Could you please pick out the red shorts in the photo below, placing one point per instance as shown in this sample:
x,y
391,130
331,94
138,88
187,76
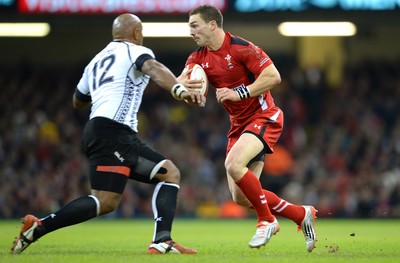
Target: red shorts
x,y
266,127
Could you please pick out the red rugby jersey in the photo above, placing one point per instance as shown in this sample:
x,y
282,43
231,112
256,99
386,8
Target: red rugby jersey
x,y
237,61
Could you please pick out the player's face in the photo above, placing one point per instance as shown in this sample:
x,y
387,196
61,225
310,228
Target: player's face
x,y
200,30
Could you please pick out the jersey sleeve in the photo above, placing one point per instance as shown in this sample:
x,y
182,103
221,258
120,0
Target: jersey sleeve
x,y
141,59
83,84
82,97
193,58
142,55
255,59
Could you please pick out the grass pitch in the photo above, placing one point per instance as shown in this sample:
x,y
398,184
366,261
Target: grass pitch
x,y
105,240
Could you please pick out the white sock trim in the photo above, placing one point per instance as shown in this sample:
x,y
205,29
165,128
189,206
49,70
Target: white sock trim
x,y
156,168
97,204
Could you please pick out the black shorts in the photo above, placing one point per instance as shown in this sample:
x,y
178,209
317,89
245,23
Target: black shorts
x,y
116,155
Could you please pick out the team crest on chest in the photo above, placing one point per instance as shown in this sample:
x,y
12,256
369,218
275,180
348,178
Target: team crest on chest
x,y
228,60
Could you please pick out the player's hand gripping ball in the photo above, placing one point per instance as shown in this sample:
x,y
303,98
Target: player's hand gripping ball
x,y
199,74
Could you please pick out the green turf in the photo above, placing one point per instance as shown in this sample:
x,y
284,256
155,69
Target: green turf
x,y
216,240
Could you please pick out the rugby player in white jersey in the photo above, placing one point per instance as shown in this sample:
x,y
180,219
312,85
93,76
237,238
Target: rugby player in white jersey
x,y
113,84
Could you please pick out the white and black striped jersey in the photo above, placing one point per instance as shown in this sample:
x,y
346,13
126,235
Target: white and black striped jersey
x,y
114,83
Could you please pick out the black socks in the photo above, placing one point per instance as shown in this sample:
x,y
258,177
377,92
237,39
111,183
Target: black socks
x,y
77,211
164,205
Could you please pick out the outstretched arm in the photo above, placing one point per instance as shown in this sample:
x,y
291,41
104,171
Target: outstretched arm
x,y
164,78
159,73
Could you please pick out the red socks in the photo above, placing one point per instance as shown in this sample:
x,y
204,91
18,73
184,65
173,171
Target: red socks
x,y
275,206
251,188
280,207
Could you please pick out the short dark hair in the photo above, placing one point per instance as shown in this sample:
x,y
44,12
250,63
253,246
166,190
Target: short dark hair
x,y
208,13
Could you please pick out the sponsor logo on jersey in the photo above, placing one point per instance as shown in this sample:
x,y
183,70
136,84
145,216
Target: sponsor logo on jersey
x,y
205,65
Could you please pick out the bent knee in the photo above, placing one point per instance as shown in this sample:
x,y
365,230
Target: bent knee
x,y
171,173
234,169
108,202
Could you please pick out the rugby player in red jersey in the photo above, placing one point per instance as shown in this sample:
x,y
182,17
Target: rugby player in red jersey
x,y
256,122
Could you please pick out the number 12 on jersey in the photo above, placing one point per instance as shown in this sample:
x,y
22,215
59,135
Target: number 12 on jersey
x,y
100,71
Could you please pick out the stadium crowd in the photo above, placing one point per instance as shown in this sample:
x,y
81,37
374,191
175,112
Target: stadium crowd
x,y
340,150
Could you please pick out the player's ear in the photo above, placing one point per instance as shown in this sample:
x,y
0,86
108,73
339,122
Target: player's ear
x,y
138,36
213,25
136,33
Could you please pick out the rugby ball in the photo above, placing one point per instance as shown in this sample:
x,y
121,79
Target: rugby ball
x,y
198,73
